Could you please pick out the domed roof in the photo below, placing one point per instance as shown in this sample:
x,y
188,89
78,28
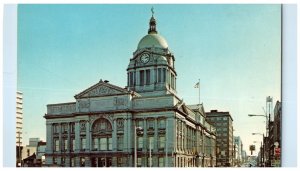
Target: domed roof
x,y
153,40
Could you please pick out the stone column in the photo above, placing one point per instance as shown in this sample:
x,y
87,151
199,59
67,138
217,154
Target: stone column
x,y
49,138
114,135
88,136
60,139
155,138
77,137
145,141
69,139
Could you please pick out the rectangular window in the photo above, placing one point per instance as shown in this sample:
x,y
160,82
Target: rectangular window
x,y
148,76
150,162
120,142
54,160
103,144
151,143
150,124
72,125
95,144
55,128
72,163
56,145
109,143
65,144
162,124
64,128
119,161
161,162
139,162
83,143
225,118
162,142
131,78
159,75
140,142
142,77
164,74
63,160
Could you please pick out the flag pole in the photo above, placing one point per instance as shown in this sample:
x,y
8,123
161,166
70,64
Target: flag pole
x,y
199,91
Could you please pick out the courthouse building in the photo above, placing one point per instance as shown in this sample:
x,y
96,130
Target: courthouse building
x,y
143,124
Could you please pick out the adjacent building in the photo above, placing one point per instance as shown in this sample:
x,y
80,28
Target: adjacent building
x,y
143,124
222,121
19,126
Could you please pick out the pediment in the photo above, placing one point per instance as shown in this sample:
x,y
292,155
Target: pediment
x,y
102,89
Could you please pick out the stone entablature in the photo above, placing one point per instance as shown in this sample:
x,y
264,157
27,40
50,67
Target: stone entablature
x,y
61,108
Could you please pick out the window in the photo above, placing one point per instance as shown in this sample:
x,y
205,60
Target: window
x,y
109,143
120,142
151,143
63,160
148,76
56,145
139,162
140,142
151,124
72,163
73,144
159,75
95,144
55,128
161,142
161,162
83,143
141,77
225,118
72,125
162,124
103,143
65,145
131,78
54,160
64,128
164,74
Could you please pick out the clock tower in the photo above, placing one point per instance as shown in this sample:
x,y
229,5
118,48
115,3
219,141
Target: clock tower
x,y
151,69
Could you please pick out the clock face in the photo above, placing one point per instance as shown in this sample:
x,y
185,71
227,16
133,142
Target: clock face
x,y
145,57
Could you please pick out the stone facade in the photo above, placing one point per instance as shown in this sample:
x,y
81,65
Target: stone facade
x,y
144,124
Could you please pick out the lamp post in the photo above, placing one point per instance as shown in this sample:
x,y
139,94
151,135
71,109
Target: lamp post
x,y
262,147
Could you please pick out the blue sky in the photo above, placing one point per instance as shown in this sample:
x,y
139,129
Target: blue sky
x,y
234,50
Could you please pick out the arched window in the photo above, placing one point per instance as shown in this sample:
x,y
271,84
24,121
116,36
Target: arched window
x,y
102,135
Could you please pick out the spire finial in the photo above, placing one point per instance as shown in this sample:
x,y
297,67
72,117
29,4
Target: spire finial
x,y
152,10
152,24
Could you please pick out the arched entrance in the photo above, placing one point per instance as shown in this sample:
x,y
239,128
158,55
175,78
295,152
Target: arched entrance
x,y
101,143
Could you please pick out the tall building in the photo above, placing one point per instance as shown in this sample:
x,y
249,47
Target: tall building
x,y
143,124
238,150
222,121
19,126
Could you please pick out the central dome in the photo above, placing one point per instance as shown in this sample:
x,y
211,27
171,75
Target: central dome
x,y
153,40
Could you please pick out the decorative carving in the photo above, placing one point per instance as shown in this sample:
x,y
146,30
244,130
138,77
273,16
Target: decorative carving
x,y
99,91
101,126
120,124
82,126
109,117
